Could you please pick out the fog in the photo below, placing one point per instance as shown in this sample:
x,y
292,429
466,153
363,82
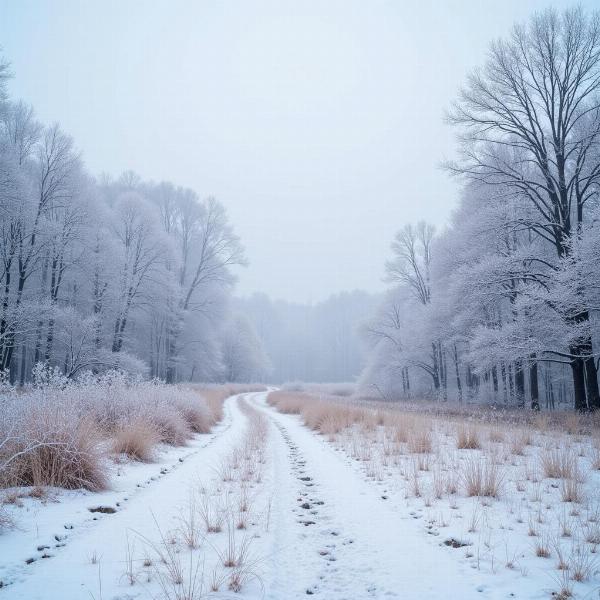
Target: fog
x,y
319,125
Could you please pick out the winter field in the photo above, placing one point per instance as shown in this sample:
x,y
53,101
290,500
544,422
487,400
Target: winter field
x,y
286,494
199,195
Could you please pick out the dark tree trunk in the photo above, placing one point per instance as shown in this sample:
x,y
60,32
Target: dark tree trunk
x,y
457,370
519,384
435,374
23,365
577,369
533,383
585,375
511,382
591,383
504,384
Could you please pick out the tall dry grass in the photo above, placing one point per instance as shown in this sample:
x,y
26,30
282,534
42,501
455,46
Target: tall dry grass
x,y
63,433
492,471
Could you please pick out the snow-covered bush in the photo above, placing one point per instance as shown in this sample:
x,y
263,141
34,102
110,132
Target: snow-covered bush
x,y
59,432
48,441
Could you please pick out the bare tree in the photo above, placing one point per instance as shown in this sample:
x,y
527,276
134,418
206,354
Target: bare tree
x,y
412,260
411,266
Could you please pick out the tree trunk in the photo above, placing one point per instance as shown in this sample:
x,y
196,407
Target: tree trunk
x,y
443,374
585,375
511,382
495,381
435,374
591,383
577,369
519,383
533,383
23,363
504,384
457,370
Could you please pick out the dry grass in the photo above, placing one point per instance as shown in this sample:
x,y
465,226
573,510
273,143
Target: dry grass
x,y
559,463
420,441
320,415
467,438
54,448
62,436
137,440
571,490
541,470
482,477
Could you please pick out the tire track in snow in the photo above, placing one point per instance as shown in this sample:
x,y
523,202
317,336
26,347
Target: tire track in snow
x,y
366,548
311,550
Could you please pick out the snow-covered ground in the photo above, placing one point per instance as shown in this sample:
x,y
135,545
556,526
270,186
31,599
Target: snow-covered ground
x,y
298,515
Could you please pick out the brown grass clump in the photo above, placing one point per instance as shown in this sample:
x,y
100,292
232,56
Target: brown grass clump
x,y
496,435
56,449
136,440
328,417
467,438
542,548
518,443
197,416
571,491
559,463
482,477
420,441
172,427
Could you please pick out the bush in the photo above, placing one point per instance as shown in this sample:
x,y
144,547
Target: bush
x,y
59,432
136,440
52,445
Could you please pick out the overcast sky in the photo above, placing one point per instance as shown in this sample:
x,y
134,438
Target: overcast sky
x,y
318,124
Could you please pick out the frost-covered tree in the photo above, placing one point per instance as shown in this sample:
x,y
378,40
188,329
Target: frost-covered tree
x,y
530,122
103,274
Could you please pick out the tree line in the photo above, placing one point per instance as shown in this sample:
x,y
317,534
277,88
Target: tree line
x,y
102,273
503,305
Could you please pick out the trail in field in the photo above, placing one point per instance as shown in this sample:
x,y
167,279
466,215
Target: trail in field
x,y
336,538
319,529
86,554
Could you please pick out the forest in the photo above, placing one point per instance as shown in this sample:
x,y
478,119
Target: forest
x,y
500,306
503,304
101,274
353,353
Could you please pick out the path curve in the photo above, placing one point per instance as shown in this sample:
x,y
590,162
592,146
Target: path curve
x,y
339,539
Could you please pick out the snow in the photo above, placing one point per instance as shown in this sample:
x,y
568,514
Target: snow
x,y
319,526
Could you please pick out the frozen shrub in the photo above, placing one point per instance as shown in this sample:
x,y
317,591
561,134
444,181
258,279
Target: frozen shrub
x,y
196,413
58,432
52,445
136,439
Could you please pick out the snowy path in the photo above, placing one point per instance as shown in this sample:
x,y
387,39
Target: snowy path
x,y
329,533
71,572
337,538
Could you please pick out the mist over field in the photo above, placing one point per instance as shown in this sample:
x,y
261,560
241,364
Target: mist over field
x,y
299,298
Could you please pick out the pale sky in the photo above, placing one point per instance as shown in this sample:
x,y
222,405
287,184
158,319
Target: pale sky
x,y
318,124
